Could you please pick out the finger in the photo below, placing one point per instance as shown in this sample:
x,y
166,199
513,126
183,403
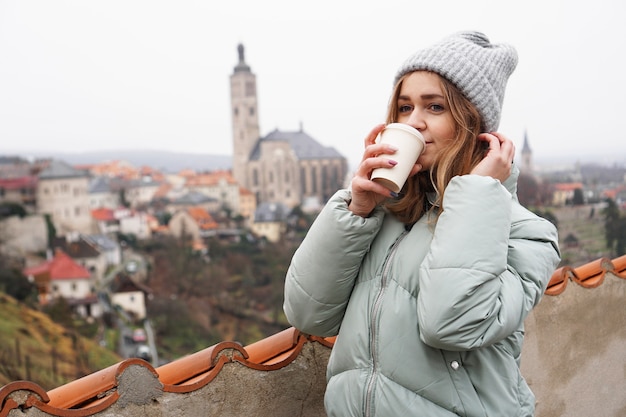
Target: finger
x,y
507,147
371,163
371,137
416,168
492,140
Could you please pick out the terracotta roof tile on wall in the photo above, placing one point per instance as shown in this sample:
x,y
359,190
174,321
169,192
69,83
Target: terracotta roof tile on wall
x,y
136,382
589,275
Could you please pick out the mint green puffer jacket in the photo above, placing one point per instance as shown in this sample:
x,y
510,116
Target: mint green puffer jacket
x,y
430,321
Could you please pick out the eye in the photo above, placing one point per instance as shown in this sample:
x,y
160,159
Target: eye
x,y
404,108
436,107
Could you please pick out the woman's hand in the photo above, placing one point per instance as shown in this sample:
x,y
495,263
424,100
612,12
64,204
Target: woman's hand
x,y
499,157
367,194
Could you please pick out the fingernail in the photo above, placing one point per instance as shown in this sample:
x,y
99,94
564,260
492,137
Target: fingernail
x,y
392,148
393,194
393,163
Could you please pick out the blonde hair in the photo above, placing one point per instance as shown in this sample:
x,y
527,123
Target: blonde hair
x,y
461,153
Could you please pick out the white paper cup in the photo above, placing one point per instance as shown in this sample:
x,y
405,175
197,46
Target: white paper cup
x,y
410,144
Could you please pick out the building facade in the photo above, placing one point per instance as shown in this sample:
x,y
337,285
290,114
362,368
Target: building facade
x,y
63,193
286,167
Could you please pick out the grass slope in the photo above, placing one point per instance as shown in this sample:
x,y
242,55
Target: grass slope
x,y
34,348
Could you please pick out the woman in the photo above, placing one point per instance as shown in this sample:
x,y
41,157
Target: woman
x,y
428,290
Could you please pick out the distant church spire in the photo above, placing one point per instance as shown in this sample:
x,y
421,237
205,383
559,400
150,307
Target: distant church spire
x,y
527,156
526,147
241,66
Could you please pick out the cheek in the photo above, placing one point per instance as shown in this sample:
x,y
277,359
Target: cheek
x,y
446,128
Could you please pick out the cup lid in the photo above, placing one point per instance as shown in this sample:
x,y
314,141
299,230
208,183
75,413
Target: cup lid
x,y
407,128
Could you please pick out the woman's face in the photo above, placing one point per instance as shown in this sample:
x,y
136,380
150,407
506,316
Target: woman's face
x,y
422,104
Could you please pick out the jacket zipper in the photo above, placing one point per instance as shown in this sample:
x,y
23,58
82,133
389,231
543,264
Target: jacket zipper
x,y
373,326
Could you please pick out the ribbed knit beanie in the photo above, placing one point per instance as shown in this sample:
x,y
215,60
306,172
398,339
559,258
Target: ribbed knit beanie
x,y
475,66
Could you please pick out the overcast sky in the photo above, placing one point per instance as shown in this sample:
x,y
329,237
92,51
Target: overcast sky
x,y
147,74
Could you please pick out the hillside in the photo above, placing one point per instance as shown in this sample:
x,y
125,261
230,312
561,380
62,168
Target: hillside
x,y
586,224
35,348
161,160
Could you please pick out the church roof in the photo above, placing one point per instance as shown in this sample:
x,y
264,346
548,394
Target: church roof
x,y
303,145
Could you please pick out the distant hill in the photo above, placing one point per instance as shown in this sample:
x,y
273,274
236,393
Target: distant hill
x,y
162,160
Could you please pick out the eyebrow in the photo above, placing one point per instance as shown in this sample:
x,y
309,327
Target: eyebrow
x,y
423,97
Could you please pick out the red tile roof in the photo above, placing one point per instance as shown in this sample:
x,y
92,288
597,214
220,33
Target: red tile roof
x,y
568,186
212,178
59,267
18,183
103,214
98,391
202,218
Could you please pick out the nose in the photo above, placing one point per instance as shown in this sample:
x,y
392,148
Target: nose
x,y
416,120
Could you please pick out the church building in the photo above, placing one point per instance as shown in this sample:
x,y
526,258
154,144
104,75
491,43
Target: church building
x,y
287,167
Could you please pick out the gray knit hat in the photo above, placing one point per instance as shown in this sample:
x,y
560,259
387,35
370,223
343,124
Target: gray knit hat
x,y
477,67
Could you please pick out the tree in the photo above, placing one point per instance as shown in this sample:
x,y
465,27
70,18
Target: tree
x,y
122,195
52,231
527,190
9,209
579,198
14,283
614,227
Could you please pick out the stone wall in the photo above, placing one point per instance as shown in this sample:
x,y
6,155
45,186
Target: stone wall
x,y
574,355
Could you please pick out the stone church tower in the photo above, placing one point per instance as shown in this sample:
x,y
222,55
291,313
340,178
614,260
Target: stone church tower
x,y
245,117
527,157
288,168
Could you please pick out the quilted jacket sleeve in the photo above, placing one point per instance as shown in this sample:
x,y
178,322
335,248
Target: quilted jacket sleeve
x,y
323,270
489,264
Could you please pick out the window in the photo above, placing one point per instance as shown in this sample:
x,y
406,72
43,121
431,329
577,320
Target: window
x,y
303,180
314,180
250,89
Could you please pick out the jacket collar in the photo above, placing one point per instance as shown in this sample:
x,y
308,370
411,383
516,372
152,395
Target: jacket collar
x,y
511,183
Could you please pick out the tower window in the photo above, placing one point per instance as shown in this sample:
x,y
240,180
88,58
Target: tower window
x,y
250,88
251,111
